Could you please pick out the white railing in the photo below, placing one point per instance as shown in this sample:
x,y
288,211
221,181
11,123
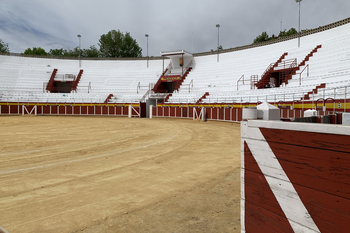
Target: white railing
x,y
139,86
306,67
65,77
324,94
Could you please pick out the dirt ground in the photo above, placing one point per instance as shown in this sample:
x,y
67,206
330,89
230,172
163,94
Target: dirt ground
x,y
114,174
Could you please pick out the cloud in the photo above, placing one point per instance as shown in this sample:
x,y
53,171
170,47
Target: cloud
x,y
22,29
171,25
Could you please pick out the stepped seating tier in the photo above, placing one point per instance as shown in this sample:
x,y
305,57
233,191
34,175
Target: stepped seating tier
x,y
23,78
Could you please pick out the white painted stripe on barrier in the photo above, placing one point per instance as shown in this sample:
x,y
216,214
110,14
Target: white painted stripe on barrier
x,y
2,230
289,200
242,186
314,128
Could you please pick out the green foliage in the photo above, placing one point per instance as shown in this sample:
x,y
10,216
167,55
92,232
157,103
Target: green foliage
x,y
35,51
4,48
261,38
220,48
116,44
112,44
290,32
57,52
264,37
91,52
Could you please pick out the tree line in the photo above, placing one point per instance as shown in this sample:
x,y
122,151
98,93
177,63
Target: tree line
x,y
265,37
117,44
113,44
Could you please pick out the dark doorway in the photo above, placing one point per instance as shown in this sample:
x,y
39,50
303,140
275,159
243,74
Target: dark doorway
x,y
166,87
62,87
143,110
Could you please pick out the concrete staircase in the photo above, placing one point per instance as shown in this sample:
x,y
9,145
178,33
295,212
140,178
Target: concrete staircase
x,y
50,84
307,58
203,97
178,84
314,91
265,77
108,98
76,81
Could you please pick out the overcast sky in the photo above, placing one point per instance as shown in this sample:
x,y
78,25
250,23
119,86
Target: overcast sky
x,y
171,25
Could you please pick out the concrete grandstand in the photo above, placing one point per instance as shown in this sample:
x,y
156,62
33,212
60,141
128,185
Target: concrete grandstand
x,y
314,75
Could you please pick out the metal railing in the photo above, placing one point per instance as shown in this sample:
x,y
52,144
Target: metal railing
x,y
337,93
287,64
65,77
307,66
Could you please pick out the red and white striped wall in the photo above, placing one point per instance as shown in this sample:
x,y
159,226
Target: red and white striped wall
x,y
295,177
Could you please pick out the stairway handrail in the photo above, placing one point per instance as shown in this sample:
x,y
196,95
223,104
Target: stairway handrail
x,y
44,87
268,69
307,66
145,95
239,80
190,85
166,69
287,64
139,87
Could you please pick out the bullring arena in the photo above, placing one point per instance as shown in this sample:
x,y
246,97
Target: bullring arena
x,y
248,139
114,174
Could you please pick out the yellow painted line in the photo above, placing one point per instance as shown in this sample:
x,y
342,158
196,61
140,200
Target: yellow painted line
x,y
296,105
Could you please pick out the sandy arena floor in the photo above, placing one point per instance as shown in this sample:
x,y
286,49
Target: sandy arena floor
x,y
113,174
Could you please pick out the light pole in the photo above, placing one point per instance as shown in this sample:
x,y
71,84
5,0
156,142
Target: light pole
x,y
281,27
218,26
147,48
79,36
299,23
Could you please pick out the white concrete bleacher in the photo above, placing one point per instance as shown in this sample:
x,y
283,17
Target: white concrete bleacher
x,y
19,75
23,78
120,78
330,65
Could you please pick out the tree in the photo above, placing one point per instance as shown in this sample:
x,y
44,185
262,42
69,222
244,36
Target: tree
x,y
4,48
91,52
35,51
65,53
57,52
116,44
261,38
220,48
290,32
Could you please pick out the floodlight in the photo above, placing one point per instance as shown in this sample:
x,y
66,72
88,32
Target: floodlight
x,y
298,1
218,26
79,36
147,49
